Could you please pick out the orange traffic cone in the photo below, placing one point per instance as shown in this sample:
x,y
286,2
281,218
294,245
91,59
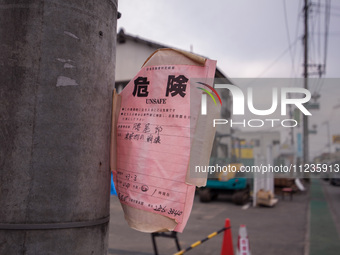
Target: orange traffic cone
x,y
227,245
243,242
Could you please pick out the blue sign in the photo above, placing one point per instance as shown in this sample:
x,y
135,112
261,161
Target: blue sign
x,y
299,145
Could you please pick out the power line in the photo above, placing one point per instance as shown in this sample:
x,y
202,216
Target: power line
x,y
326,34
305,76
287,31
327,21
333,12
319,41
322,60
296,35
329,33
278,58
319,37
334,6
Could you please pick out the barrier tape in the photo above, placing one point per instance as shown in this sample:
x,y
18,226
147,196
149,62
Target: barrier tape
x,y
202,241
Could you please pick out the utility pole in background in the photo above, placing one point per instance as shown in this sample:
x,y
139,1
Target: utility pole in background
x,y
305,76
57,68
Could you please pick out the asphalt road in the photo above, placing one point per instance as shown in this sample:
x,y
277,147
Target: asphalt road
x,y
332,194
279,230
323,236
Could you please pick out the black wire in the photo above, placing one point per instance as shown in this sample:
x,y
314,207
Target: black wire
x,y
311,47
320,84
287,31
319,37
327,21
334,7
278,58
299,16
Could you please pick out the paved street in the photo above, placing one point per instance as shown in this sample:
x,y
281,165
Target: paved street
x,y
278,230
309,224
324,218
332,194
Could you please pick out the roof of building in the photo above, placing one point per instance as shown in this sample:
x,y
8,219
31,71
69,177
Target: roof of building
x,y
122,37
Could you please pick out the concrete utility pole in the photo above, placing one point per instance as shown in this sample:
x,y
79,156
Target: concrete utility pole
x,y
57,65
305,76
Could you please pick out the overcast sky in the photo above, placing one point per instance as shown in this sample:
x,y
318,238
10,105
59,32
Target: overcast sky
x,y
249,39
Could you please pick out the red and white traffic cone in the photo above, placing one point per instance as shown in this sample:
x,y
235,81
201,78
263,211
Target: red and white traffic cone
x,y
227,244
243,242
